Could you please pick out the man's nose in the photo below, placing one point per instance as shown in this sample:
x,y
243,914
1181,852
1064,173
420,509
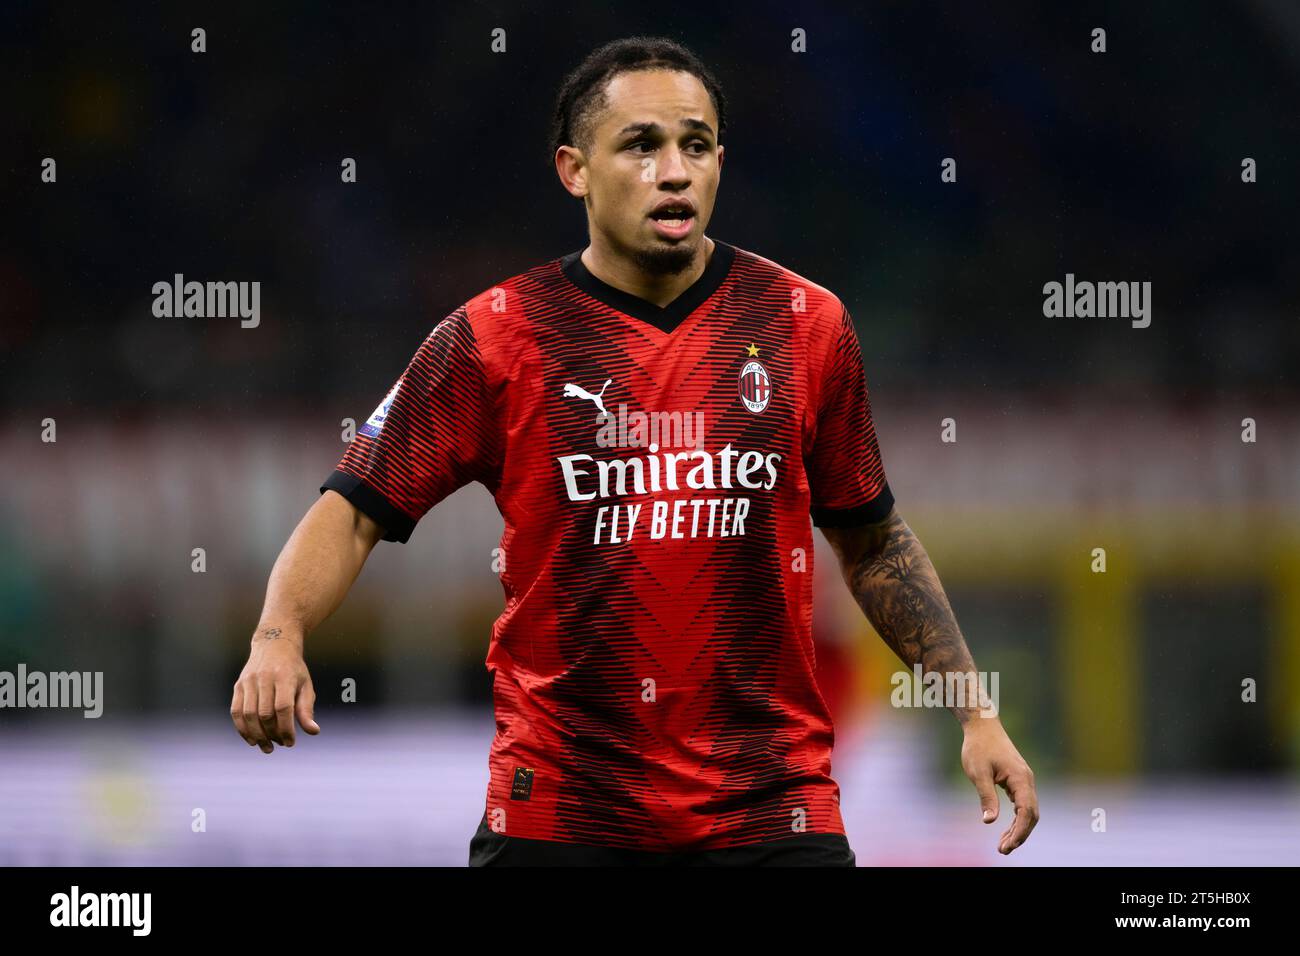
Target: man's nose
x,y
672,169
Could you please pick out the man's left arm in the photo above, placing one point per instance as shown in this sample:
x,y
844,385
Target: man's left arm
x,y
895,584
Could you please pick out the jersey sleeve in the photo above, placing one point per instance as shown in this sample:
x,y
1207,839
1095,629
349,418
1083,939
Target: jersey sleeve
x,y
846,476
429,436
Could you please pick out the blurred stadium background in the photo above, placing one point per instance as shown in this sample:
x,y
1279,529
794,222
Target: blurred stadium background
x,y
1123,690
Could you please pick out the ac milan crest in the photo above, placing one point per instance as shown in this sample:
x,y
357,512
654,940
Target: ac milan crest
x,y
755,386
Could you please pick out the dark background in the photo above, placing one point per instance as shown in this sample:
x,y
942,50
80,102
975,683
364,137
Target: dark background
x,y
226,164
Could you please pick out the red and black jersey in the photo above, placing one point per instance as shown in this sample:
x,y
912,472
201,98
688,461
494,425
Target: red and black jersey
x,y
653,668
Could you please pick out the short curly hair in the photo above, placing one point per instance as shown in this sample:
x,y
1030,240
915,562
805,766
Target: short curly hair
x,y
582,94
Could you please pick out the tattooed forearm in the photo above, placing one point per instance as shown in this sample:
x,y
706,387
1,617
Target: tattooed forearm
x,y
270,634
896,586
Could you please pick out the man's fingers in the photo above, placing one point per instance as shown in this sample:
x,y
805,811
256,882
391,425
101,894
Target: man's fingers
x,y
988,793
307,708
285,691
1021,824
266,710
237,714
252,722
1021,791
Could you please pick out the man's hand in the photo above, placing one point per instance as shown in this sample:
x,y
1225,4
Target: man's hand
x,y
991,760
318,564
274,688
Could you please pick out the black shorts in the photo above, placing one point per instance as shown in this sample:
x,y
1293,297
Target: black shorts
x,y
804,849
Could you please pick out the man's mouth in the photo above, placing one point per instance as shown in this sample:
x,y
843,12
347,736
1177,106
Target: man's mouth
x,y
672,218
673,221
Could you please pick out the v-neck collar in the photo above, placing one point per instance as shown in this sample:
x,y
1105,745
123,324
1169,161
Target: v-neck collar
x,y
665,318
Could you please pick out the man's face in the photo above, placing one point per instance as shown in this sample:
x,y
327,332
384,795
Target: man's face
x,y
651,170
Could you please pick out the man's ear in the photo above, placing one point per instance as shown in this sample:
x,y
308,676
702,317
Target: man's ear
x,y
571,167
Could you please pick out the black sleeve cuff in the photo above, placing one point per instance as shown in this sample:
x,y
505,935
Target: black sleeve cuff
x,y
877,509
396,523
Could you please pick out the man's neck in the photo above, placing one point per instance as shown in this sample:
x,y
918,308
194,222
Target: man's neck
x,y
624,275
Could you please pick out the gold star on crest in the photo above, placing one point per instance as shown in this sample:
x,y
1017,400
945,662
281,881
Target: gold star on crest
x,y
752,349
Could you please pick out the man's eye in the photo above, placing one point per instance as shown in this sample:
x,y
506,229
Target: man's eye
x,y
696,146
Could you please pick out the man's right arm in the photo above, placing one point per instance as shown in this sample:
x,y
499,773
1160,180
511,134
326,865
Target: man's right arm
x,y
433,432
313,574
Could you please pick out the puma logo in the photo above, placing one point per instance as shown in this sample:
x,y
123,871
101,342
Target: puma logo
x,y
577,391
